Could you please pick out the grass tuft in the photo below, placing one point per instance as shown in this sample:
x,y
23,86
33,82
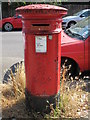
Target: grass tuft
x,y
73,96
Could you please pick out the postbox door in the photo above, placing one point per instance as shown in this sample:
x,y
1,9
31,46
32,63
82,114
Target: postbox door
x,y
42,55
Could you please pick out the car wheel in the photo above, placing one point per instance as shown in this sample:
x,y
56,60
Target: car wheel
x,y
71,24
8,27
71,67
12,69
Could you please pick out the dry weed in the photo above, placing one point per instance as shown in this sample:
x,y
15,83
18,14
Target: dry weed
x,y
73,95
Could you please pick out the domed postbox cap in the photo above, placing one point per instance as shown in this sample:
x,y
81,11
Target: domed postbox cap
x,y
41,10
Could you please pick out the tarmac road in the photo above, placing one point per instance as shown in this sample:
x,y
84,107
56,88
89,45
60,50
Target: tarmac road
x,y
11,49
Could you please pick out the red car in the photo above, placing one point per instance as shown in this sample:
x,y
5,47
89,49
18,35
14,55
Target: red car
x,y
75,46
10,23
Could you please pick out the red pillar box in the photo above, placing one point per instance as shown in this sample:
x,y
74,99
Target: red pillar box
x,y
42,28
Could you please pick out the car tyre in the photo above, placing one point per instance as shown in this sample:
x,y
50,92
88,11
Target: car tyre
x,y
8,27
71,24
71,67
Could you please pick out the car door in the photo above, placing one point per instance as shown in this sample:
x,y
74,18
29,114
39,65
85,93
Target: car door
x,y
87,53
17,21
74,49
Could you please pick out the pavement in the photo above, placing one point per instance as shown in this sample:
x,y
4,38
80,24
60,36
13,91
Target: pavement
x,y
11,50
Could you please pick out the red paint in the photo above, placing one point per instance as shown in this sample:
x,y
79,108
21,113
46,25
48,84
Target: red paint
x,y
87,54
78,50
42,69
16,22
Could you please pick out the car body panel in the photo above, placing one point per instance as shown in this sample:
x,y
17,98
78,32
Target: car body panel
x,y
15,21
68,19
87,54
77,50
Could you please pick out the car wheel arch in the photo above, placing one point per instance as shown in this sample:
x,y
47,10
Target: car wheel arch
x,y
72,61
72,21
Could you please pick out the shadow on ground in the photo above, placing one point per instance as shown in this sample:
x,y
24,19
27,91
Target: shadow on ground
x,y
12,30
17,110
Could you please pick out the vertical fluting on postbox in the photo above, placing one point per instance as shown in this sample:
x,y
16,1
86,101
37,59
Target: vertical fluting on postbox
x,y
42,25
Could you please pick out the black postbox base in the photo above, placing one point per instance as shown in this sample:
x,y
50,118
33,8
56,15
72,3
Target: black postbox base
x,y
41,104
